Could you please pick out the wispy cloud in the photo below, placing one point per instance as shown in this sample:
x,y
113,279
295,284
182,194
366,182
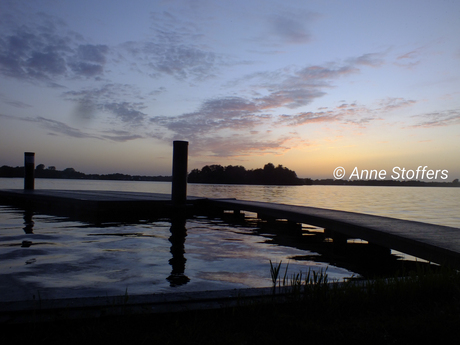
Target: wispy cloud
x,y
369,59
13,102
437,119
60,127
393,103
110,98
346,113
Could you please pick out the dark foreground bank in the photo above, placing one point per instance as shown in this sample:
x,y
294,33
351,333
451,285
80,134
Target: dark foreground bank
x,y
422,308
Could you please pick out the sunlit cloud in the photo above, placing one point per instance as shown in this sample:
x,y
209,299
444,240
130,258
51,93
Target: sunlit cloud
x,y
410,55
238,146
308,118
369,59
289,89
409,59
292,98
343,113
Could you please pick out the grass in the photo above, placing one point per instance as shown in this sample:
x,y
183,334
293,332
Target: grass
x,y
423,307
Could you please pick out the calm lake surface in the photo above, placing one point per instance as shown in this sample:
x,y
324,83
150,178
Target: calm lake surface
x,y
65,258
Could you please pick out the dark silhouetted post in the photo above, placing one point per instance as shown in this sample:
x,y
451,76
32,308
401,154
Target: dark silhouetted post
x,y
179,173
29,170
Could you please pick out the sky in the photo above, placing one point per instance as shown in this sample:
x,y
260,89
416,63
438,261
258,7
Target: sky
x,y
106,86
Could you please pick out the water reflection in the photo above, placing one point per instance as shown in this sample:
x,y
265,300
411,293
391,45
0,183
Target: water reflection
x,y
28,222
178,260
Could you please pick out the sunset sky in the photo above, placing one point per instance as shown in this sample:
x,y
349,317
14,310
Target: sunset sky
x,y
105,86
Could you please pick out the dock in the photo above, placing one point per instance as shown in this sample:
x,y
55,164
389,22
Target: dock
x,y
434,243
93,205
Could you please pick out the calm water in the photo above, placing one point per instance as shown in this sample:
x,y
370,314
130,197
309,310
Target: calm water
x,y
63,258
436,205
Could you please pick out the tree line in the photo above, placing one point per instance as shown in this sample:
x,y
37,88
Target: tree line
x,y
268,175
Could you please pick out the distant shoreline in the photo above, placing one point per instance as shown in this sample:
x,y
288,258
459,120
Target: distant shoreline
x,y
371,183
72,174
385,183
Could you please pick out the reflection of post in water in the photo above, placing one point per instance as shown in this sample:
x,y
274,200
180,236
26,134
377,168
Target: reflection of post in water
x,y
28,222
177,239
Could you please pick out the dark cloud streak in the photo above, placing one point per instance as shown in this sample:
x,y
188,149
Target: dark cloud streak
x,y
120,136
60,127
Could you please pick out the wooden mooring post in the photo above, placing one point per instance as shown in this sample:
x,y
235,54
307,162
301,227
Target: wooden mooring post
x,y
179,173
29,170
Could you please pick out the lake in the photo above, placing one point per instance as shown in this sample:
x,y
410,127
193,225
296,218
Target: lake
x,y
55,257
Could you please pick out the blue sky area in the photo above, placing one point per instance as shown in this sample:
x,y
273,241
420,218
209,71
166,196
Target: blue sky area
x,y
106,86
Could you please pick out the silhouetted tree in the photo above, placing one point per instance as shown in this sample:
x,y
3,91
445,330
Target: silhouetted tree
x,y
235,174
6,171
72,173
238,174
